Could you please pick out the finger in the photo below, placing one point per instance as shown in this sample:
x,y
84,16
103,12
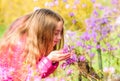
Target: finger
x,y
65,55
61,51
65,58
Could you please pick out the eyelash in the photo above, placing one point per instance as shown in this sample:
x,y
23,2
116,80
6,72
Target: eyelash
x,y
58,33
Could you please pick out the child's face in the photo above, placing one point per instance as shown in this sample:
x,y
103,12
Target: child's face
x,y
58,33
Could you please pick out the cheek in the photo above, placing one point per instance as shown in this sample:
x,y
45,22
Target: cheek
x,y
54,39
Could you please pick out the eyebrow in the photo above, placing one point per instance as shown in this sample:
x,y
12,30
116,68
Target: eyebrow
x,y
58,29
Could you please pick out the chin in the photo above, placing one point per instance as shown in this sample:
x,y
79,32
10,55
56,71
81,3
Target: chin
x,y
54,44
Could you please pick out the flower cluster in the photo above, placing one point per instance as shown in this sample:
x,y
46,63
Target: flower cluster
x,y
73,59
6,74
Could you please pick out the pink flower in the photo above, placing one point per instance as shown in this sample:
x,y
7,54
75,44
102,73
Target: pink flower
x,y
82,58
63,65
92,55
67,6
37,78
6,73
109,70
51,79
69,72
62,79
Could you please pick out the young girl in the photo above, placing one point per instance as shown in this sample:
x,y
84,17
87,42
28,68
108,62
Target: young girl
x,y
31,48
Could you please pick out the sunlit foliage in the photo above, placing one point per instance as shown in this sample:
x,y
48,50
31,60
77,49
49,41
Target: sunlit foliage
x,y
73,11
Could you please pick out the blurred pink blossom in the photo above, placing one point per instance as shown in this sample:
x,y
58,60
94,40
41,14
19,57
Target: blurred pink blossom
x,y
69,72
82,58
62,79
109,70
51,79
67,6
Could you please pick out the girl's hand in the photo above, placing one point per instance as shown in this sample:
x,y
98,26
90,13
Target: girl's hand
x,y
56,56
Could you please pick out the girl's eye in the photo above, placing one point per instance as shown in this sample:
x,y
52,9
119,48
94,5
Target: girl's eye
x,y
56,33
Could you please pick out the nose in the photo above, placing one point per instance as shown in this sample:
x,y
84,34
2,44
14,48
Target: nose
x,y
59,36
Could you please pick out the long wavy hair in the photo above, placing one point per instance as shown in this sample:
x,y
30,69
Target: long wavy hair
x,y
38,28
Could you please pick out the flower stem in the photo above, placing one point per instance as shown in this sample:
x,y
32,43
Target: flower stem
x,y
100,59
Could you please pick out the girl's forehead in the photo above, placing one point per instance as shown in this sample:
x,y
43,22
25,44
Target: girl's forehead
x,y
59,26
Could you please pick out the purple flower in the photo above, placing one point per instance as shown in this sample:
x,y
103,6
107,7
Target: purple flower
x,y
71,14
78,43
99,6
81,44
72,59
74,21
113,48
92,55
89,47
114,2
95,13
91,22
65,49
104,20
104,50
64,0
94,35
86,36
69,72
81,58
93,1
56,2
115,10
110,47
97,46
63,65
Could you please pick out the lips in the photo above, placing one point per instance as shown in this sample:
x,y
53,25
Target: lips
x,y
56,42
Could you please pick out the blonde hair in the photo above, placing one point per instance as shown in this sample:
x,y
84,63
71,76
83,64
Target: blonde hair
x,y
38,27
41,26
